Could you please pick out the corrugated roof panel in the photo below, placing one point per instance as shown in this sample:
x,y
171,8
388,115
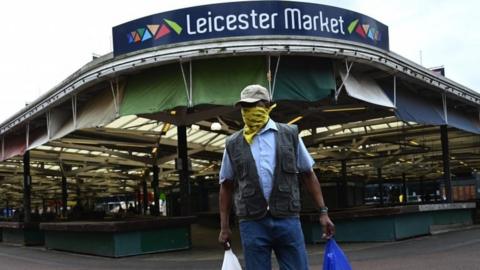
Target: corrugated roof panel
x,y
379,126
135,124
149,126
194,134
305,132
159,127
197,134
219,141
204,139
358,129
120,122
172,132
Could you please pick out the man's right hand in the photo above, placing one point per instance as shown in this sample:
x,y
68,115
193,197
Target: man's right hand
x,y
327,225
224,236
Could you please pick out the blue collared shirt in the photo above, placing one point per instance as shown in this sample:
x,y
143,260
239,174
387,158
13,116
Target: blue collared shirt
x,y
264,153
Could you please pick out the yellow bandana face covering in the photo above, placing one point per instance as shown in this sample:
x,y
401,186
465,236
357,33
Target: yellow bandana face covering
x,y
255,118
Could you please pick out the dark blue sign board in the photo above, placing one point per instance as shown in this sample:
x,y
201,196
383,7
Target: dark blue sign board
x,y
254,18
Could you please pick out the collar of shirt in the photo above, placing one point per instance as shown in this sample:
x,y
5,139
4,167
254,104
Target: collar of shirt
x,y
270,125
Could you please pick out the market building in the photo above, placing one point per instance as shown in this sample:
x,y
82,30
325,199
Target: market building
x,y
141,131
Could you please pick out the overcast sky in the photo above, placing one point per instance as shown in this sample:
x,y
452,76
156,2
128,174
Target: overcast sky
x,y
42,42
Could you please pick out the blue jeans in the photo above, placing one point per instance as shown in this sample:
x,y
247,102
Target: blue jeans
x,y
282,235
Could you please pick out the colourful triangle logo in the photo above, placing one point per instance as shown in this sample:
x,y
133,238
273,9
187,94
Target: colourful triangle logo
x,y
365,28
137,38
140,32
360,31
146,36
371,33
130,38
162,32
177,28
352,25
156,31
153,28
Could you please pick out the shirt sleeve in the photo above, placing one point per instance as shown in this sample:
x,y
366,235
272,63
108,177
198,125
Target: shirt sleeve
x,y
226,172
304,159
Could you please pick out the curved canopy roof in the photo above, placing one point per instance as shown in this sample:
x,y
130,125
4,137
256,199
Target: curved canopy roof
x,y
352,101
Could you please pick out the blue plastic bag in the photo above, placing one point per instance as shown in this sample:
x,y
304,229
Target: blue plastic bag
x,y
334,258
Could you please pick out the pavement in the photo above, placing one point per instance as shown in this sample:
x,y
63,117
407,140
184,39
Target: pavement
x,y
458,249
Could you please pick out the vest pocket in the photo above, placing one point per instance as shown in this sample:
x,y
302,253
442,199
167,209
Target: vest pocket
x,y
284,188
282,205
241,170
295,206
248,191
288,159
241,209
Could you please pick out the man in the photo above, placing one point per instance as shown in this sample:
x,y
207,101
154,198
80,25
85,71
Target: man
x,y
259,172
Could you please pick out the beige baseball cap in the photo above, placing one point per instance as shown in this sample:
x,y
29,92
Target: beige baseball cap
x,y
253,93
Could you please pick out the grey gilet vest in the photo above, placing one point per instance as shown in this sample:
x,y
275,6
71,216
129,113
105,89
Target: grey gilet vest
x,y
249,200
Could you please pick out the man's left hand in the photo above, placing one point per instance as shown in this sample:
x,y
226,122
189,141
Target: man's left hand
x,y
327,225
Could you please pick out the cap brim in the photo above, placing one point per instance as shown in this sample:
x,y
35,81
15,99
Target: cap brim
x,y
247,100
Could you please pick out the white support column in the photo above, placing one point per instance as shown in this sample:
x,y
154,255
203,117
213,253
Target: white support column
x,y
339,89
74,111
49,124
275,76
269,76
117,89
187,88
190,100
27,137
445,112
114,94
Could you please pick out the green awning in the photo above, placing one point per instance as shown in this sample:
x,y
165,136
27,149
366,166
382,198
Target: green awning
x,y
219,81
154,90
303,78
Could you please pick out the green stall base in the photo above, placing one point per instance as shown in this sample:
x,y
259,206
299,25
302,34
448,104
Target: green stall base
x,y
118,241
388,224
22,234
119,244
450,217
